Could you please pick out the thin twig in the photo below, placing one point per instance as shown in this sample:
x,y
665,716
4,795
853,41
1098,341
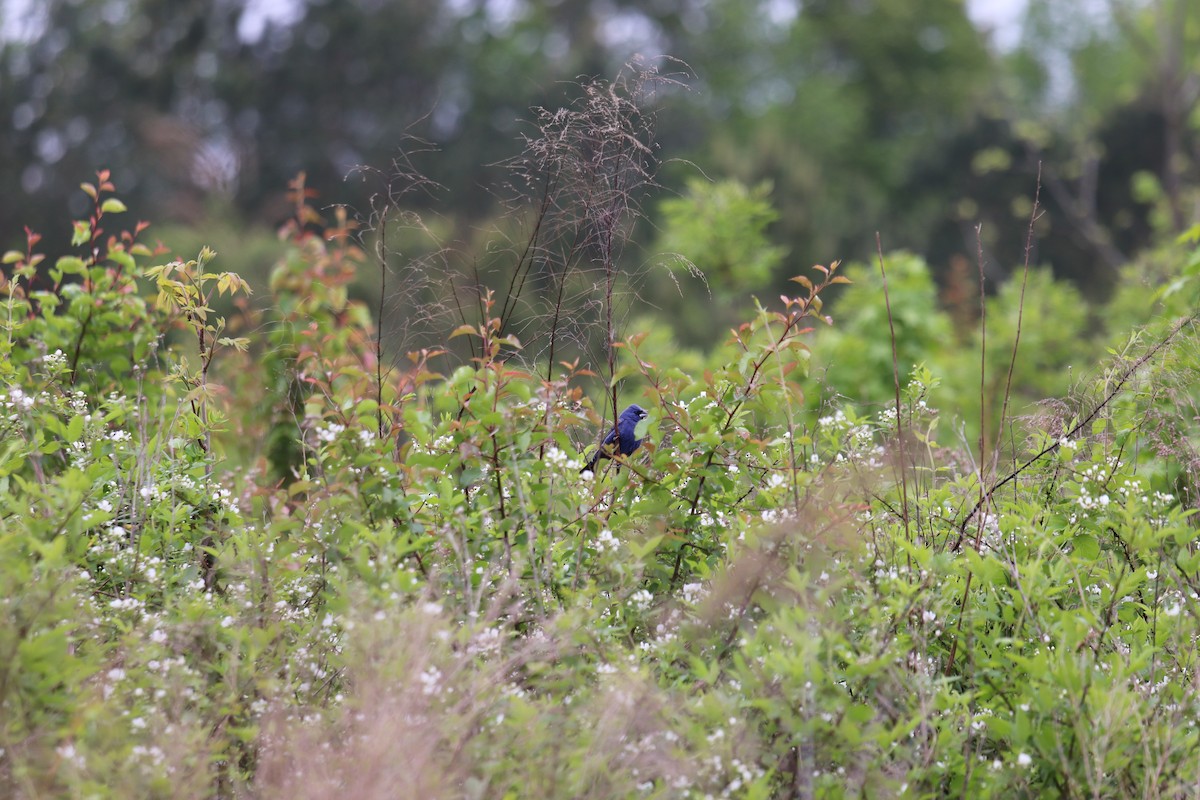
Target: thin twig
x,y
896,381
982,355
381,256
1033,217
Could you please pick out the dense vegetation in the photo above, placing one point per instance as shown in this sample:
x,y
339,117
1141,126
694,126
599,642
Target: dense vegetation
x,y
248,549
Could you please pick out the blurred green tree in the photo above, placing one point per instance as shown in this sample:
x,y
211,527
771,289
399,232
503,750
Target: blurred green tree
x,y
721,229
896,116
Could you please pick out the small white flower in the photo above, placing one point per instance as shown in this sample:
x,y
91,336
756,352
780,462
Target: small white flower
x,y
606,542
1024,760
430,681
693,592
329,433
68,753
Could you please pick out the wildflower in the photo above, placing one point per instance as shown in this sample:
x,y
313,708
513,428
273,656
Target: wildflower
x,y
430,681
641,599
606,542
329,433
68,753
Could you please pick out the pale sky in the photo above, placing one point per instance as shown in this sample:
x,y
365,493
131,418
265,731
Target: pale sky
x,y
1003,17
19,18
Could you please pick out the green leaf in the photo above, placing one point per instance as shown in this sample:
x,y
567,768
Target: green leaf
x,y
1085,546
71,265
13,256
470,476
81,232
860,713
75,429
123,258
241,343
112,206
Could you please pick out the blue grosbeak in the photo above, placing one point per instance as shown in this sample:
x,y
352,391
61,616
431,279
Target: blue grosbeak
x,y
621,438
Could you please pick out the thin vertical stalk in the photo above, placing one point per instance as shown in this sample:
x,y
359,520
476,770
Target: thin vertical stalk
x,y
896,382
1033,217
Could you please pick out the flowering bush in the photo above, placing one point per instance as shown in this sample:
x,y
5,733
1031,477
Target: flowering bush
x,y
262,565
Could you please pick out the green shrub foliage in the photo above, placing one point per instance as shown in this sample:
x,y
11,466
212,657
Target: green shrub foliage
x,y
241,557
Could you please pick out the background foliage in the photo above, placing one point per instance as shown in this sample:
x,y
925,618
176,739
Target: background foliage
x,y
893,116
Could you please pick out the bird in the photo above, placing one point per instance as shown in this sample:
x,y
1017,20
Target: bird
x,y
623,438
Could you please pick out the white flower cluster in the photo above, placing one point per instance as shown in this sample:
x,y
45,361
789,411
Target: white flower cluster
x,y
329,432
835,420
431,681
693,593
641,599
606,542
16,401
54,361
561,460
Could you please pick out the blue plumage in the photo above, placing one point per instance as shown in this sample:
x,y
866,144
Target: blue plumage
x,y
623,439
